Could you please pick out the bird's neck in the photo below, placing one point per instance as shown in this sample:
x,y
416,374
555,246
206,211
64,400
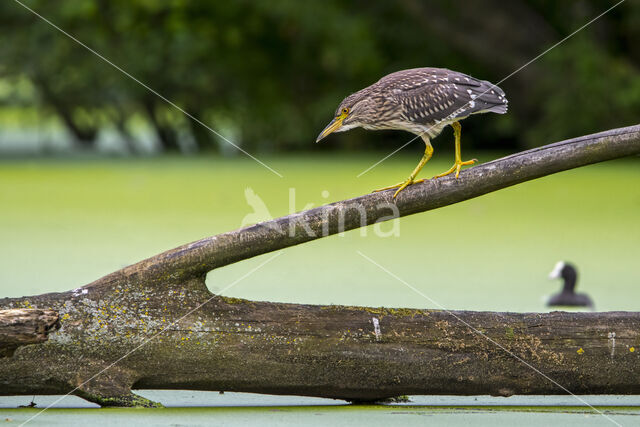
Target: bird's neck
x,y
569,284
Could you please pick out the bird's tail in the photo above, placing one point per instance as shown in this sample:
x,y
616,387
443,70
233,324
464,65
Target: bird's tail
x,y
490,97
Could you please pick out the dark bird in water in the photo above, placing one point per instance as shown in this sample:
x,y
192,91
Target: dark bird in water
x,y
422,101
568,296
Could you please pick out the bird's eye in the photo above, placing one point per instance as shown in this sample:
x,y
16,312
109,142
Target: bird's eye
x,y
345,111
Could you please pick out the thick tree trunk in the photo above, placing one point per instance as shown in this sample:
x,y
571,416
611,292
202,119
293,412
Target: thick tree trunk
x,y
167,136
85,135
352,353
155,325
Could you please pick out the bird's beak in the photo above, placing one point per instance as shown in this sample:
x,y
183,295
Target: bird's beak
x,y
331,127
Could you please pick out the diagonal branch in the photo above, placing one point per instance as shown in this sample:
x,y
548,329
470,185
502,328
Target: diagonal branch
x,y
197,258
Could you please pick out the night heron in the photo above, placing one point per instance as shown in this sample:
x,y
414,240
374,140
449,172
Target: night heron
x,y
422,101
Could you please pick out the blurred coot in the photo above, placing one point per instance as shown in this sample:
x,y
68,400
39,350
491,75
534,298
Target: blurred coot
x,y
568,297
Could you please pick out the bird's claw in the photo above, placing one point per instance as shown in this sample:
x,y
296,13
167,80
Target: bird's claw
x,y
456,168
400,186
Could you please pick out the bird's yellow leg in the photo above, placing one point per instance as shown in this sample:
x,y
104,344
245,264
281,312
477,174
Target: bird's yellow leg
x,y
457,131
428,152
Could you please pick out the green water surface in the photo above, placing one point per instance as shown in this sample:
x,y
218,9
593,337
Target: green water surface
x,y
66,223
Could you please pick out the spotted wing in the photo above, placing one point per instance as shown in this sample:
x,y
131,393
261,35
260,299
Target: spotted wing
x,y
433,95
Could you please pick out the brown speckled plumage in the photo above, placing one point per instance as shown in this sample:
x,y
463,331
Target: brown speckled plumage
x,y
421,100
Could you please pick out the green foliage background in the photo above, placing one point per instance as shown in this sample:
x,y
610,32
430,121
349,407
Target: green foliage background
x,y
269,74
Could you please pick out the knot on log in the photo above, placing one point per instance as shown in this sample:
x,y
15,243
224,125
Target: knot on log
x,y
22,326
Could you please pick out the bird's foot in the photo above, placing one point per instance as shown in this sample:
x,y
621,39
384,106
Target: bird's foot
x,y
400,186
456,168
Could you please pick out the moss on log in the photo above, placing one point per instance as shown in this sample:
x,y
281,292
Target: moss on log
x,y
140,327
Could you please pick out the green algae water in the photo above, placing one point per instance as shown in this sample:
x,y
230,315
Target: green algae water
x,y
65,223
246,409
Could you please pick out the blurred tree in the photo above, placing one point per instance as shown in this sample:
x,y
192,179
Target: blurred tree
x,y
270,74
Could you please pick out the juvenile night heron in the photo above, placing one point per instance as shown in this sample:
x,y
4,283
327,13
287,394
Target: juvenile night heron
x,y
422,101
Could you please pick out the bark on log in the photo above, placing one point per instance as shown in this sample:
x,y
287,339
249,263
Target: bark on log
x,y
330,351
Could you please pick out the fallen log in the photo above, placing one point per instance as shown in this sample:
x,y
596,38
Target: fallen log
x,y
155,325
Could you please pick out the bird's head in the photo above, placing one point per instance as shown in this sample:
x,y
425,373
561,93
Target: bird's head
x,y
567,272
351,113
